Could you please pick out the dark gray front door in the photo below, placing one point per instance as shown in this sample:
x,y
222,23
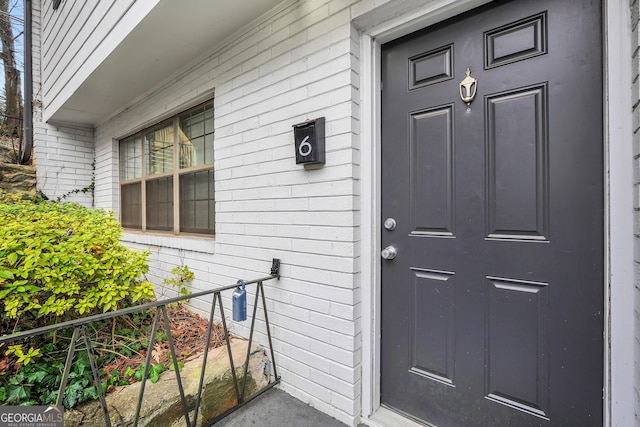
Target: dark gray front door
x,y
492,310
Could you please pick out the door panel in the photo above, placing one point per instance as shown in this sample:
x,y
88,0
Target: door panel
x,y
432,171
433,328
520,347
517,167
492,311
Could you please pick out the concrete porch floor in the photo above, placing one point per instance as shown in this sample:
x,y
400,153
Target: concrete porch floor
x,y
275,408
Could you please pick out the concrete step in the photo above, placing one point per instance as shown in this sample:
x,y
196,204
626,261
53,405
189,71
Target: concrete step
x,y
275,408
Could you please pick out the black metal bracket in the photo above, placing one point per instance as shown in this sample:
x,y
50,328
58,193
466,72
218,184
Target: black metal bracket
x,y
275,267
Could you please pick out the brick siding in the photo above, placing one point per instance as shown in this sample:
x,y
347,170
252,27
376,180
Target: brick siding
x,y
299,65
63,154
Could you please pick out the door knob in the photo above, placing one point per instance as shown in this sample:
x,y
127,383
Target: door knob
x,y
390,252
390,224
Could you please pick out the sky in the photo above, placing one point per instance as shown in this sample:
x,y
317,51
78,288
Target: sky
x,y
16,10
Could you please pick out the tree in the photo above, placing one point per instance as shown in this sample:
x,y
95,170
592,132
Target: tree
x,y
12,87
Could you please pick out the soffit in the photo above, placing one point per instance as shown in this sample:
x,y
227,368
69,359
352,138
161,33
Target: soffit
x,y
172,35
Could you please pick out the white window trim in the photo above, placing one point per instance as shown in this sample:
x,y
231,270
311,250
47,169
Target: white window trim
x,y
619,337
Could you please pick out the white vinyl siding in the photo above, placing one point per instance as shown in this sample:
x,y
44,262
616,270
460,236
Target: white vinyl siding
x,y
77,36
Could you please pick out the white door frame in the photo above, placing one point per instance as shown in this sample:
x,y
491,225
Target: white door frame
x,y
376,28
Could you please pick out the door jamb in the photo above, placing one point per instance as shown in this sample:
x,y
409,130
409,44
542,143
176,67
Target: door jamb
x,y
375,29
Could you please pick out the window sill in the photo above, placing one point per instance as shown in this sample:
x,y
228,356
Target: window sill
x,y
188,242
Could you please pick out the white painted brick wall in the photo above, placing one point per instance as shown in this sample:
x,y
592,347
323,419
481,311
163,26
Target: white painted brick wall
x,y
635,12
302,63
64,162
298,66
63,155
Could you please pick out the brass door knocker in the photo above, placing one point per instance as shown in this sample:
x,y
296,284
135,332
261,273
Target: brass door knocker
x,y
468,88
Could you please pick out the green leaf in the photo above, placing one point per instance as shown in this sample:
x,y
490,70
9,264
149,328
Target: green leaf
x,y
180,366
140,372
37,376
81,364
17,393
12,258
155,371
6,274
70,399
90,393
49,398
18,378
52,381
72,393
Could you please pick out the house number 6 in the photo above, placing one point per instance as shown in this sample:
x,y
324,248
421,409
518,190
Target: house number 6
x,y
305,148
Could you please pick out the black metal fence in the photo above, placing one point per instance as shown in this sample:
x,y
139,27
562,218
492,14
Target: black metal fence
x,y
80,329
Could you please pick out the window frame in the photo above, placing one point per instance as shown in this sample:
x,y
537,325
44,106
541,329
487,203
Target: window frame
x,y
175,174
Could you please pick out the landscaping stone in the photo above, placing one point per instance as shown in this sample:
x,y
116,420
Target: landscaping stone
x,y
162,406
15,178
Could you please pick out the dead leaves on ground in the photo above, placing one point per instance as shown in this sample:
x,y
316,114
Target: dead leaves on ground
x,y
189,333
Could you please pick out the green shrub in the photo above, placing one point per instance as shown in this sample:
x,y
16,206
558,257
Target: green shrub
x,y
63,261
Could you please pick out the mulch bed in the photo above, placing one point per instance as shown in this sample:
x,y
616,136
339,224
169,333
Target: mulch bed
x,y
189,332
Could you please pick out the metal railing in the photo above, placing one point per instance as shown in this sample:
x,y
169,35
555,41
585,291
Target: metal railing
x,y
80,327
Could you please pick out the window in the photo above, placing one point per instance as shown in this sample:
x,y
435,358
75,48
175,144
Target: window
x,y
166,175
